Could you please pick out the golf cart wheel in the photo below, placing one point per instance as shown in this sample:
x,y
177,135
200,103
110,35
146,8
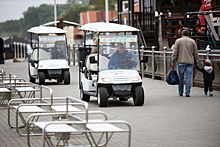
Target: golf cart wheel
x,y
32,80
41,78
66,77
102,97
84,96
138,96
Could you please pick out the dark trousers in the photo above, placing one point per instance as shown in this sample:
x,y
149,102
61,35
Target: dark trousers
x,y
207,85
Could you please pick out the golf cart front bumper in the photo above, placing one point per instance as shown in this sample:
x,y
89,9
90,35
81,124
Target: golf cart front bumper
x,y
121,90
54,73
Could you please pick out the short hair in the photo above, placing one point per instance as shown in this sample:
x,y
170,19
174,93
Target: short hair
x,y
185,33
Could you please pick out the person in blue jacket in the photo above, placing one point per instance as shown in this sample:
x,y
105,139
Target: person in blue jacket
x,y
122,59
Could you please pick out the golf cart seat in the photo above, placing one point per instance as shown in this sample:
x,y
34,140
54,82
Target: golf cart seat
x,y
103,65
43,55
91,68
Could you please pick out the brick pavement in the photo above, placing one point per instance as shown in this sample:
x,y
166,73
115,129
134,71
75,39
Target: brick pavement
x,y
165,120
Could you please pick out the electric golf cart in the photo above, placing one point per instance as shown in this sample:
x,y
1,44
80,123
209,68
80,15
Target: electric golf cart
x,y
96,78
49,59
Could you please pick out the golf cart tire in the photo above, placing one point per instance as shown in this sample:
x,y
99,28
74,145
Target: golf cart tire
x,y
84,96
102,97
66,77
138,96
41,78
32,80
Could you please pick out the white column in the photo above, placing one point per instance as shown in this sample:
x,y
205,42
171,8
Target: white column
x,y
21,50
18,49
15,47
24,45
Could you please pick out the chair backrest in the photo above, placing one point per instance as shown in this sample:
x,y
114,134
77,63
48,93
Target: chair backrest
x,y
103,64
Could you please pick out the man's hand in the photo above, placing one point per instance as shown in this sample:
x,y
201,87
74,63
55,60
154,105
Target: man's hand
x,y
132,60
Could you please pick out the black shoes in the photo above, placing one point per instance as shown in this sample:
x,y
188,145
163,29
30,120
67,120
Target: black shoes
x,y
187,95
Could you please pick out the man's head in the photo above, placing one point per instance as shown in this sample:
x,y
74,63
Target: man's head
x,y
57,44
121,48
185,33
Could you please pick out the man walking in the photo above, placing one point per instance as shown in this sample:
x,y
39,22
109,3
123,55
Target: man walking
x,y
185,54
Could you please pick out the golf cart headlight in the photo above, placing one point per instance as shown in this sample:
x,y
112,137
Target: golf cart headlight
x,y
43,66
64,66
106,79
135,79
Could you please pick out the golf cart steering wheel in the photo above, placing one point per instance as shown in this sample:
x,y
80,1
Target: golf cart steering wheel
x,y
124,60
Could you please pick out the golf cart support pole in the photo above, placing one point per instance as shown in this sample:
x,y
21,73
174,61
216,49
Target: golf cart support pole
x,y
142,63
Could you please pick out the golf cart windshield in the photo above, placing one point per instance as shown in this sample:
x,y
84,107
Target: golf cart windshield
x,y
51,47
118,52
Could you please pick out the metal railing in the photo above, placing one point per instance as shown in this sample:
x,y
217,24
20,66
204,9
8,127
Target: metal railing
x,y
159,64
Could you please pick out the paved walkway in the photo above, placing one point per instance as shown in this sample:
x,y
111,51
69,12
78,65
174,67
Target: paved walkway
x,y
165,120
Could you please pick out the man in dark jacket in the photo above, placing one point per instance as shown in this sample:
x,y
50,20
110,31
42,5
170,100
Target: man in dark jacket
x,y
208,77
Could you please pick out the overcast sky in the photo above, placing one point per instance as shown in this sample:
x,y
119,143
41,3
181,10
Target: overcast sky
x,y
13,9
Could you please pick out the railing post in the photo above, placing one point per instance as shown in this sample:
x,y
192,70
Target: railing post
x,y
153,75
164,63
73,54
208,51
142,64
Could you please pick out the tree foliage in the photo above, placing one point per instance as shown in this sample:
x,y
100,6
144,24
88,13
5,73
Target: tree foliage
x,y
36,16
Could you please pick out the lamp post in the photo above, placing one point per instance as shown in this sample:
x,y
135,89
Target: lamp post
x,y
55,13
106,11
11,43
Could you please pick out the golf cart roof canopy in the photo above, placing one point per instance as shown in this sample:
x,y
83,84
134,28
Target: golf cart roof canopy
x,y
107,27
46,30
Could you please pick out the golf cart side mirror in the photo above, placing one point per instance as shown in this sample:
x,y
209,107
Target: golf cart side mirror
x,y
92,59
32,63
145,59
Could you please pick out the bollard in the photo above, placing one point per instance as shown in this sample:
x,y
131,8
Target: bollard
x,y
142,64
153,75
164,63
73,54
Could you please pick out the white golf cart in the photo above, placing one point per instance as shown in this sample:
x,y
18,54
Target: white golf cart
x,y
97,78
49,59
